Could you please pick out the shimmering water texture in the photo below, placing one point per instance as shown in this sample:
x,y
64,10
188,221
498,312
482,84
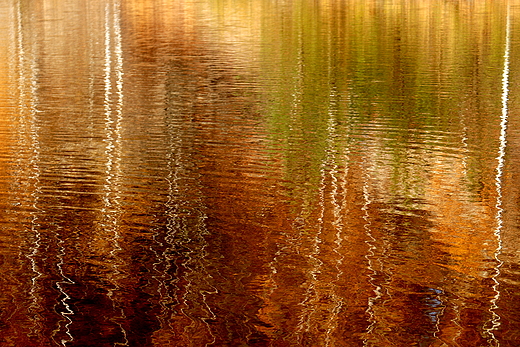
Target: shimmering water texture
x,y
259,173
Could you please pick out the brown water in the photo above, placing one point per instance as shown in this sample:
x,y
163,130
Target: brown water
x,y
259,173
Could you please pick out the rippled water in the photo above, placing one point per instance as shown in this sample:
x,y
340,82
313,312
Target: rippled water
x,y
259,173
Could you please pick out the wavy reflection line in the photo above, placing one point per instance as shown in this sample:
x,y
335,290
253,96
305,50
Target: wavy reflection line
x,y
206,276
118,51
495,318
65,297
297,94
184,239
310,297
92,70
165,243
437,307
273,286
456,320
166,259
168,288
303,322
196,272
173,227
191,239
112,194
167,269
465,147
337,213
337,224
29,131
319,289
187,234
371,254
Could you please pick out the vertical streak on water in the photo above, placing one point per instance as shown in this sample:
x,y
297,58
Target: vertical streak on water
x,y
112,195
165,266
12,68
109,149
181,267
197,276
167,300
165,241
337,213
495,319
296,107
311,296
118,50
35,170
337,225
108,101
340,211
465,155
370,256
205,277
28,135
298,79
464,143
436,297
273,266
93,59
65,297
119,73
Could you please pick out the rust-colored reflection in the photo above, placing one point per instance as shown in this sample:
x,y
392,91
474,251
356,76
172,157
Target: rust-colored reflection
x,y
232,173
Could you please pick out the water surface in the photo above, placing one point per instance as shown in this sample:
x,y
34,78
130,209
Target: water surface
x,y
259,173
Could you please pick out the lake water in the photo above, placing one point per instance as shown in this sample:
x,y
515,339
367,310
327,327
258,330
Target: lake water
x,y
259,173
